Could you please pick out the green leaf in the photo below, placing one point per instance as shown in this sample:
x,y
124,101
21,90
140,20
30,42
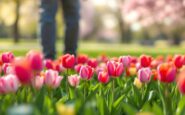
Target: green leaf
x,y
181,107
118,101
128,109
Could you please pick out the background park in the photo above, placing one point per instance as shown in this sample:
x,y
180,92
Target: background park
x,y
133,29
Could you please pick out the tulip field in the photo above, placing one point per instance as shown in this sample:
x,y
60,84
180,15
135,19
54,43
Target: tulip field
x,y
82,85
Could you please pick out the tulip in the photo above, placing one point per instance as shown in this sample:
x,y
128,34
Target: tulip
x,y
86,72
52,79
7,57
36,60
77,68
68,61
166,72
137,83
48,63
115,69
145,61
178,61
8,68
38,81
92,62
82,59
74,80
9,84
144,75
23,70
125,60
181,82
103,77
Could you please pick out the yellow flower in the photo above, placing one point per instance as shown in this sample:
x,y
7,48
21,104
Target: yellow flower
x,y
65,109
132,71
137,83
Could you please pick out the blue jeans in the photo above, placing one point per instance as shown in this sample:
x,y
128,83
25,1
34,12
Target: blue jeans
x,y
48,9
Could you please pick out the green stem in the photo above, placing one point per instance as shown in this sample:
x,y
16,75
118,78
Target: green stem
x,y
84,90
113,90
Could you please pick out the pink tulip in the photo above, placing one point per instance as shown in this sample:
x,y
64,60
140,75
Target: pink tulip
x,y
144,75
8,68
86,72
78,67
7,57
74,80
103,77
37,82
36,60
52,79
115,69
9,84
125,60
48,64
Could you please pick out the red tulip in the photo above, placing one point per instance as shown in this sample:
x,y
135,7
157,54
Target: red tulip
x,y
68,61
145,60
115,69
7,57
74,80
178,61
92,62
86,72
36,60
181,82
48,64
144,75
166,72
103,77
23,70
82,59
125,60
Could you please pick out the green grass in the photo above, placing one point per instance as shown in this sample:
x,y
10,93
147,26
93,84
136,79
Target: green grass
x,y
93,48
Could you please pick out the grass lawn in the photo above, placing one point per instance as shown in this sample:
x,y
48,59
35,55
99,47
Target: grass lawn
x,y
93,48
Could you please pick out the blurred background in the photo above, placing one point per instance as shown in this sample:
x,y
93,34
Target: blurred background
x,y
143,22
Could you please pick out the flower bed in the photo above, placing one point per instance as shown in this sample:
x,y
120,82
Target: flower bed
x,y
82,85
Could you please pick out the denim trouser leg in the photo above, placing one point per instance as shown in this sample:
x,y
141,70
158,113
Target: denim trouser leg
x,y
71,9
48,9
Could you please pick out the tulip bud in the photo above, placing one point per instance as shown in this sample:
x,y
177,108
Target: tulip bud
x,y
181,82
74,80
145,61
103,77
38,81
144,75
7,57
115,69
166,72
178,61
137,83
86,72
125,60
23,70
36,60
48,63
52,79
68,61
82,59
92,62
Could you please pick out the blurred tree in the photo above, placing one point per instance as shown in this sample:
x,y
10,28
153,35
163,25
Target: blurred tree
x,y
164,12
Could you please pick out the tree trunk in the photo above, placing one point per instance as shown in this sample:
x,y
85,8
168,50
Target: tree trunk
x,y
16,34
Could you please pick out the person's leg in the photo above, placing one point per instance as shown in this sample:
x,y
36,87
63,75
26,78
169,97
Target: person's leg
x,y
48,9
71,10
